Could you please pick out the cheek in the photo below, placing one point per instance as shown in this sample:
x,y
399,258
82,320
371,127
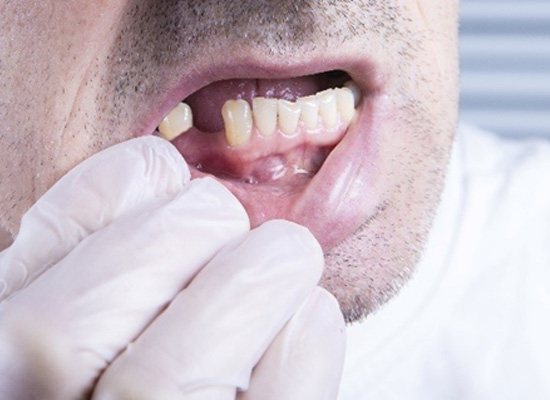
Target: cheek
x,y
436,66
439,22
47,57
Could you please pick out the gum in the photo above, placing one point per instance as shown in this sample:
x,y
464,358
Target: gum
x,y
263,159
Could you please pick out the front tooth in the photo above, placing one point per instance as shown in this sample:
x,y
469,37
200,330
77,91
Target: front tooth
x,y
327,108
265,115
178,121
345,104
289,115
237,118
310,111
351,85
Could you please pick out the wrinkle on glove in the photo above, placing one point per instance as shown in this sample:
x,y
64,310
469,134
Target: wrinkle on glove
x,y
124,179
119,278
129,281
216,330
114,281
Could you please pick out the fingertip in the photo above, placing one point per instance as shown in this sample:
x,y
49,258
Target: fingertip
x,y
294,241
323,311
221,199
152,147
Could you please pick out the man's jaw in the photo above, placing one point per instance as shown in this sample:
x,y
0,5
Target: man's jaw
x,y
294,142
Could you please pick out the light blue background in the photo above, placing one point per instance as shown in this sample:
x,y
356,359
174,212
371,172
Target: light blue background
x,y
505,64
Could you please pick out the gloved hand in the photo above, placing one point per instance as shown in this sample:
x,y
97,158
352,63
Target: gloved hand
x,y
128,280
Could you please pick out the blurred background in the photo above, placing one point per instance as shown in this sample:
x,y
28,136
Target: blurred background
x,y
505,61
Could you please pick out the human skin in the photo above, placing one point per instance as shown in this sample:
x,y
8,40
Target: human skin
x,y
79,76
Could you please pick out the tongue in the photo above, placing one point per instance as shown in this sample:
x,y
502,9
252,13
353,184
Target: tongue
x,y
208,101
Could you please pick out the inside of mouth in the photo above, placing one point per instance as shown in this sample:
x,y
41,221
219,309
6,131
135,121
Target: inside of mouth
x,y
288,171
207,102
282,162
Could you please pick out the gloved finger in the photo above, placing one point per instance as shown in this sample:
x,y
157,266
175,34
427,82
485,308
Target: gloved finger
x,y
216,330
30,370
127,178
306,359
109,288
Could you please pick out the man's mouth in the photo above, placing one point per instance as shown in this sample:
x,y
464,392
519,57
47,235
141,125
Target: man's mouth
x,y
300,148
258,131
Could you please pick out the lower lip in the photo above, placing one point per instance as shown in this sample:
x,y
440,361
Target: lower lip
x,y
338,198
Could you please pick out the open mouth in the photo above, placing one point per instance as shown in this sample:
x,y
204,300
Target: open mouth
x,y
300,148
274,132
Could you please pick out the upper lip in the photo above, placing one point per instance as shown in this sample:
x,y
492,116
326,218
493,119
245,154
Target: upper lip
x,y
342,184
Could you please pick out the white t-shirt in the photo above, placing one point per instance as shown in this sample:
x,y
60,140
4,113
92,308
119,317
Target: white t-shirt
x,y
474,322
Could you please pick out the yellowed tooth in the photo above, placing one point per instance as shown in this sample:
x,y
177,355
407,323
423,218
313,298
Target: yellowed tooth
x,y
265,115
345,104
237,118
351,85
289,115
176,122
310,111
327,108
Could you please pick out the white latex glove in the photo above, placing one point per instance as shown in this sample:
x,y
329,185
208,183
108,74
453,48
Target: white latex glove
x,y
125,252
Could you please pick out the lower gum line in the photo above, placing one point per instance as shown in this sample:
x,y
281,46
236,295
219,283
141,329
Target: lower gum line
x,y
272,169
